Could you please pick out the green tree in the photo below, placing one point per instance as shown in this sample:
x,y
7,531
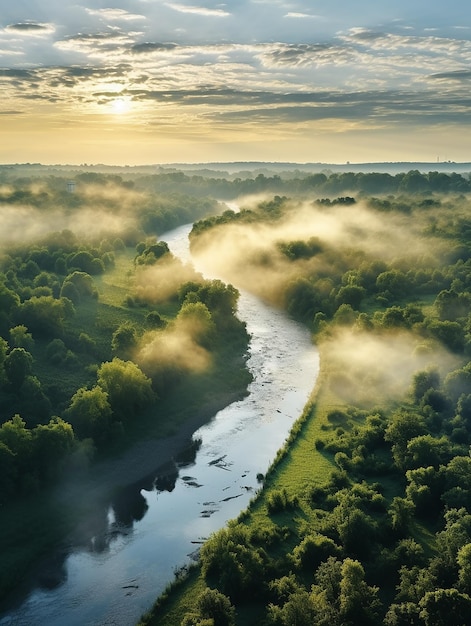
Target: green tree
x,y
464,564
44,314
401,513
445,607
3,355
300,609
452,305
458,382
15,435
18,365
21,338
451,334
403,614
230,560
455,535
313,550
424,489
129,389
33,401
51,444
423,381
393,284
359,603
426,450
78,285
56,351
212,607
90,414
404,425
124,340
9,299
328,578
352,295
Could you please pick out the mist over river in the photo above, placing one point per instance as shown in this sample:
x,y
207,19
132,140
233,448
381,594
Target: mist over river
x,y
156,526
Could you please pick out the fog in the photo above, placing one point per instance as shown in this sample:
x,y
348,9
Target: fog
x,y
175,348
157,283
25,224
249,255
373,368
92,210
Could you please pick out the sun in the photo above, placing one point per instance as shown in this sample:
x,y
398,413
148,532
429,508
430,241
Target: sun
x,y
119,106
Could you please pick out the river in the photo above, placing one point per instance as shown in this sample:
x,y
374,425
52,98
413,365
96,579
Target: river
x,y
156,530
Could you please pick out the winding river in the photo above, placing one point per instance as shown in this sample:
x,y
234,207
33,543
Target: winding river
x,y
156,530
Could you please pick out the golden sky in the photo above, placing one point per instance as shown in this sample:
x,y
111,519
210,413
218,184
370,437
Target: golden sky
x,y
146,81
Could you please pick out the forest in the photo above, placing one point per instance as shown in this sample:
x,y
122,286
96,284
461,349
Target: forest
x,y
365,514
106,339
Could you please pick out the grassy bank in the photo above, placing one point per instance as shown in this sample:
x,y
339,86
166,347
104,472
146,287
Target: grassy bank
x,y
300,521
45,516
297,469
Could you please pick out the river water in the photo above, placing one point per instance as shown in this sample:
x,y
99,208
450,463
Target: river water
x,y
156,530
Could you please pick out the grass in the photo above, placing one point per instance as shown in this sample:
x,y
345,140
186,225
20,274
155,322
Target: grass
x,y
297,467
179,598
31,526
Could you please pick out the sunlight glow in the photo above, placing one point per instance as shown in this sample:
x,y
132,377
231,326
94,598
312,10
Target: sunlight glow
x,y
119,106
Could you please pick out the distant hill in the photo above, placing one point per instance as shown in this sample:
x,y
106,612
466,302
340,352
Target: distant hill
x,y
245,169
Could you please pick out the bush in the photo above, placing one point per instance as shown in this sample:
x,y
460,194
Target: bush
x,y
279,500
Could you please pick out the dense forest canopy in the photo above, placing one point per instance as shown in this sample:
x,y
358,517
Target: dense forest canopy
x,y
365,514
102,330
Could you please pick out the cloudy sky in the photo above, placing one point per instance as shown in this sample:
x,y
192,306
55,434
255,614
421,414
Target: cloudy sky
x,y
155,81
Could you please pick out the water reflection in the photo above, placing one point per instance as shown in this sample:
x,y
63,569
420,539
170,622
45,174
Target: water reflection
x,y
108,523
129,505
131,548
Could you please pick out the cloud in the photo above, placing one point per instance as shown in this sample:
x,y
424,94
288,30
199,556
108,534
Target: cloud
x,y
453,75
31,29
363,34
174,347
305,55
160,282
115,14
284,65
148,47
185,8
294,15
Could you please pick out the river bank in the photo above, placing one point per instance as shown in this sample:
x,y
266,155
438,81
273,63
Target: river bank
x,y
85,497
126,554
137,465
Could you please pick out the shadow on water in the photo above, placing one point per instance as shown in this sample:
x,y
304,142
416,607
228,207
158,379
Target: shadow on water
x,y
108,522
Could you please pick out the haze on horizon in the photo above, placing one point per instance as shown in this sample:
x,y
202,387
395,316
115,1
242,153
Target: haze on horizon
x,y
153,81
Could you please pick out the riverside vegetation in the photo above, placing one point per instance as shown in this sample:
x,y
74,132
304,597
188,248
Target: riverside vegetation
x,y
105,339
365,514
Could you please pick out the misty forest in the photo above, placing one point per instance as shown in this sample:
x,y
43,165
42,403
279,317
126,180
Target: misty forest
x,y
107,339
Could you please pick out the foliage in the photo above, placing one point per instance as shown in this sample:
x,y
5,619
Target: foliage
x,y
230,559
386,537
381,493
128,389
90,414
213,608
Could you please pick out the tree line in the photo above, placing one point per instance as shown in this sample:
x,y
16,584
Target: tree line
x,y
385,537
70,382
169,198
